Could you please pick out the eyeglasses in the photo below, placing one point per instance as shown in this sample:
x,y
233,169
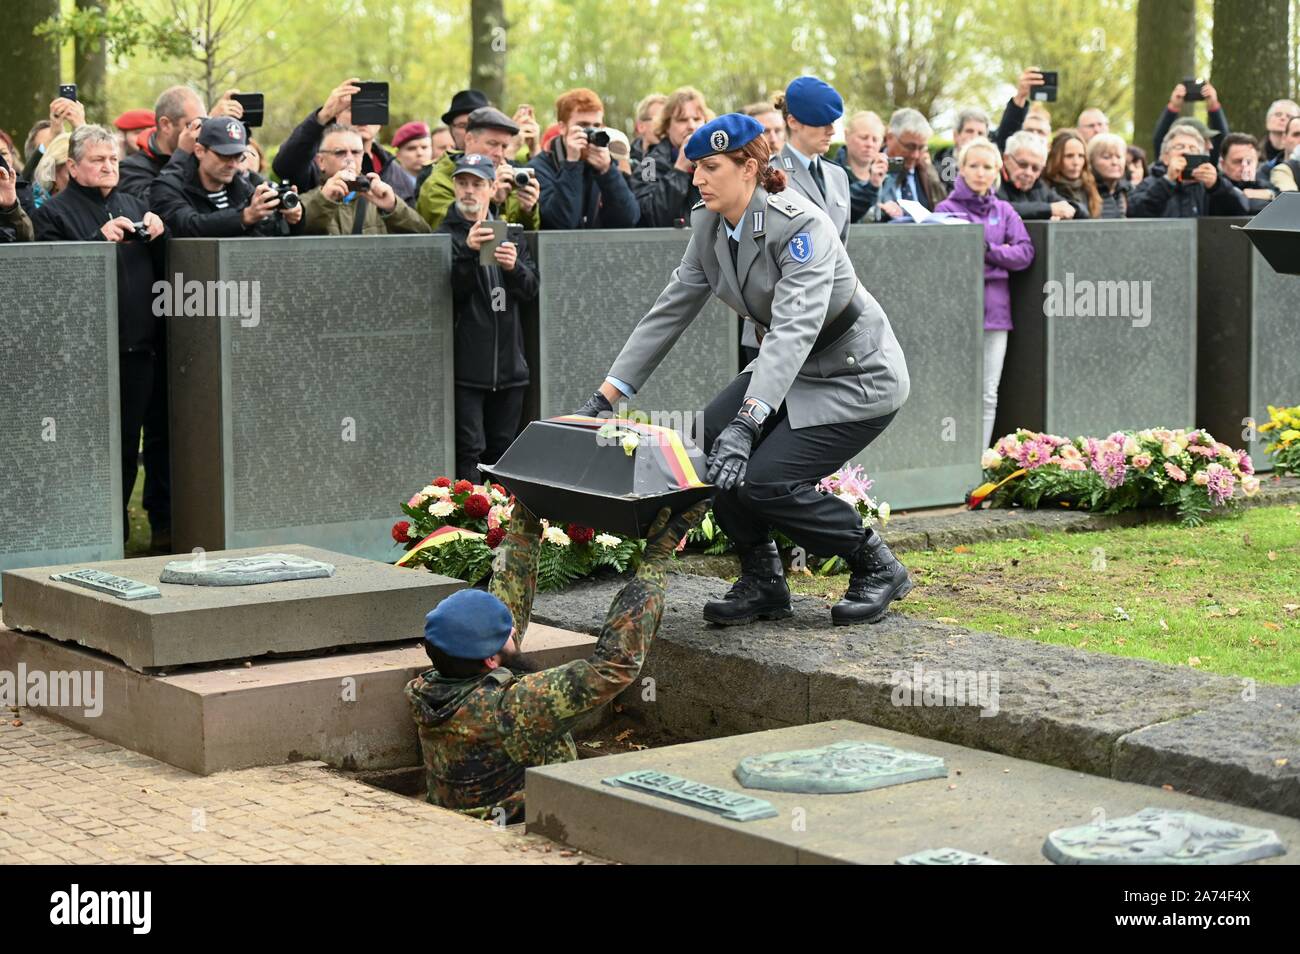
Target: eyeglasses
x,y
342,153
1027,166
910,147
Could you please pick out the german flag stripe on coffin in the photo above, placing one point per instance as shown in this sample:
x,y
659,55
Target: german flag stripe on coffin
x,y
665,440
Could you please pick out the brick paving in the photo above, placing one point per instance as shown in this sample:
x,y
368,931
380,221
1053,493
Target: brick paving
x,y
66,797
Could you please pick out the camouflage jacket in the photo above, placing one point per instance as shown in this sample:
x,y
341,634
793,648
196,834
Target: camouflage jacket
x,y
478,735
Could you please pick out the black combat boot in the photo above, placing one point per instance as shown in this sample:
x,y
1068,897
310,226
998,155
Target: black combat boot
x,y
877,579
760,593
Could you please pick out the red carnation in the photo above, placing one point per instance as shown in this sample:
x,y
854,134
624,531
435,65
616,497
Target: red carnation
x,y
462,487
579,534
495,536
477,506
442,482
399,530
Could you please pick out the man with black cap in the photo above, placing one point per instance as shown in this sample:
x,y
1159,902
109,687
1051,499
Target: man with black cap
x,y
483,718
204,195
456,118
491,370
488,132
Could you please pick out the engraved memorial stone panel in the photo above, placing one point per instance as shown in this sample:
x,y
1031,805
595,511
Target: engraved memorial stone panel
x,y
730,805
848,766
61,466
101,582
929,279
596,286
946,856
245,571
1105,329
310,423
1159,836
1249,338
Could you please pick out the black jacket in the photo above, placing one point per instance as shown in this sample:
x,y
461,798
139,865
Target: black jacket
x,y
1114,203
1037,202
76,215
575,196
1013,117
1217,120
136,173
664,193
296,161
182,201
1260,182
1158,198
489,343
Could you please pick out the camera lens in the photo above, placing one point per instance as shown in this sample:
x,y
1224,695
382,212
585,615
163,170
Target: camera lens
x,y
289,200
522,178
597,137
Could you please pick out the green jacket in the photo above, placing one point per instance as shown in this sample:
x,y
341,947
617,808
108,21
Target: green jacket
x,y
16,219
478,735
327,217
438,193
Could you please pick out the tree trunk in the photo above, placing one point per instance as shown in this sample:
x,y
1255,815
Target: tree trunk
x,y
1251,59
1166,55
487,70
31,67
92,69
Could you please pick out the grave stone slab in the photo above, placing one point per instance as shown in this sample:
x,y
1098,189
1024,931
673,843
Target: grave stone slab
x,y
311,424
1159,836
990,805
364,602
59,422
929,454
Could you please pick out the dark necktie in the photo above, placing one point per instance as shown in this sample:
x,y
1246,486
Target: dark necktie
x,y
815,167
905,189
735,253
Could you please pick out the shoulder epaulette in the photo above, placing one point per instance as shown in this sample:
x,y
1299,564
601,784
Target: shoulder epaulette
x,y
783,205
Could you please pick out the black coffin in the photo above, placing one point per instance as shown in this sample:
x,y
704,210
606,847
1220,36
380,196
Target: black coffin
x,y
575,469
1275,231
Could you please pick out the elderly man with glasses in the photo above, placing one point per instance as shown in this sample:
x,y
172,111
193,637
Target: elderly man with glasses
x,y
1029,195
907,138
349,201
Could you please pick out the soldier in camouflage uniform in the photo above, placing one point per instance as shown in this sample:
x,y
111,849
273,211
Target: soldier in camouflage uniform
x,y
480,724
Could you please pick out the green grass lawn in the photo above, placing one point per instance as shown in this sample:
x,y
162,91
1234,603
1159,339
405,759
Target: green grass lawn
x,y
1223,598
138,544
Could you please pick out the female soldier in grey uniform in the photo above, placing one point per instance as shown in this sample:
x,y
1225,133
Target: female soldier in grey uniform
x,y
828,379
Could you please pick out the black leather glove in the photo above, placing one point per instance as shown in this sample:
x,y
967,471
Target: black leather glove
x,y
596,406
730,453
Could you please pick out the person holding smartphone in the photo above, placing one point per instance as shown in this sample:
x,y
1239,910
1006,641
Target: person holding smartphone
x,y
1185,183
490,367
14,224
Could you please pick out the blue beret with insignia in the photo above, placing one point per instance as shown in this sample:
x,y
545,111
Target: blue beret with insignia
x,y
469,624
727,132
813,102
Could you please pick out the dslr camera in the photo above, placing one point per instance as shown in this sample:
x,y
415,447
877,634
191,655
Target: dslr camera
x,y
289,200
596,137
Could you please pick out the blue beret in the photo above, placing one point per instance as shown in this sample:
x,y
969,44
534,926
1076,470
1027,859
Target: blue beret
x,y
727,132
813,102
469,624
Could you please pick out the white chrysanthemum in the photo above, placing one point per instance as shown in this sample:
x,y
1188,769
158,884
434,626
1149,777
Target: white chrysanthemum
x,y
990,459
608,540
442,508
883,510
412,532
428,490
443,493
557,536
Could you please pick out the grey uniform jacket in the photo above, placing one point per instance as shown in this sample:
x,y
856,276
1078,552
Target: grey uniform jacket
x,y
836,204
794,277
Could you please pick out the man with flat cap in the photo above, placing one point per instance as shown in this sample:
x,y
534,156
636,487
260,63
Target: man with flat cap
x,y
482,716
488,132
828,379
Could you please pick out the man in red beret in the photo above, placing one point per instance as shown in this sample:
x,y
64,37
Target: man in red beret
x,y
131,126
414,145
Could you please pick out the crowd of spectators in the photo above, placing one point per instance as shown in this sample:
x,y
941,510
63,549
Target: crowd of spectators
x,y
183,170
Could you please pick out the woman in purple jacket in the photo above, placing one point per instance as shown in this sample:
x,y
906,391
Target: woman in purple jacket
x,y
1007,249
